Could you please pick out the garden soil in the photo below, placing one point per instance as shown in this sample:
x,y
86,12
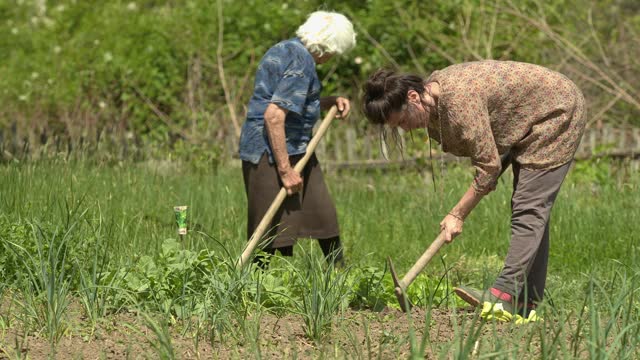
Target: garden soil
x,y
386,334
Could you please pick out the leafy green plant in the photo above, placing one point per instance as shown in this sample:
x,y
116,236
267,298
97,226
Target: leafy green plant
x,y
324,291
96,288
10,261
229,298
371,287
5,321
427,291
276,287
616,335
166,282
161,341
45,282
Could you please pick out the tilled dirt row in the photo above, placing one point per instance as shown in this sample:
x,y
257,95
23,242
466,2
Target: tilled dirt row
x,y
356,334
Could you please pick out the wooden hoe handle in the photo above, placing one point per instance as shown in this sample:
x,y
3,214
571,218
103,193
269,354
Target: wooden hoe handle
x,y
422,261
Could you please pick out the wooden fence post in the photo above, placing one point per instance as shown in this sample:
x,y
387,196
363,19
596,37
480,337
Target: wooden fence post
x,y
350,139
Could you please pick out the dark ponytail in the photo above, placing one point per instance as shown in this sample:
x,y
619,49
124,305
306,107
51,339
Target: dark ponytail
x,y
386,91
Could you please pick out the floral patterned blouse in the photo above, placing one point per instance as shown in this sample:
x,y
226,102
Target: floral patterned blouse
x,y
487,108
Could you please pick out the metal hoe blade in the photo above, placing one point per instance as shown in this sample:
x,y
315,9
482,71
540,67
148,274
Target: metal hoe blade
x,y
405,304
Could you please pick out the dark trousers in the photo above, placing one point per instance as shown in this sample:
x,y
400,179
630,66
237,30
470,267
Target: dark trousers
x,y
525,269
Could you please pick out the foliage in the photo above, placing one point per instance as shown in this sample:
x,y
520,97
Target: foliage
x,y
10,263
165,282
324,291
25,239
148,74
372,289
44,281
105,237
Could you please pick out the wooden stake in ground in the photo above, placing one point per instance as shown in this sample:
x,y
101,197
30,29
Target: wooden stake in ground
x,y
402,285
275,205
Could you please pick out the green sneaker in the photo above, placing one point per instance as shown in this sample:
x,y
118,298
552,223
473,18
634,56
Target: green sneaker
x,y
496,312
472,296
477,298
495,308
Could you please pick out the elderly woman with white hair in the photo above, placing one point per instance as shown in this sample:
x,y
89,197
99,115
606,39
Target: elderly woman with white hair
x,y
285,105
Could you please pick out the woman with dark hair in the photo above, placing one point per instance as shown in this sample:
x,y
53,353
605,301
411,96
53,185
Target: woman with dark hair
x,y
523,114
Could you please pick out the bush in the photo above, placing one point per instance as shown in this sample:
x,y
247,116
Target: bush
x,y
148,70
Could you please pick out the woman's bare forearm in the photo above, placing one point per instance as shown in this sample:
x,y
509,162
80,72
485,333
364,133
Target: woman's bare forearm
x,y
467,203
274,118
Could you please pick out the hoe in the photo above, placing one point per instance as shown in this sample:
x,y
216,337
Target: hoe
x,y
402,285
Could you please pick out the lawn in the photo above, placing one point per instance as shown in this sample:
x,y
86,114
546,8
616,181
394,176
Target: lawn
x,y
92,266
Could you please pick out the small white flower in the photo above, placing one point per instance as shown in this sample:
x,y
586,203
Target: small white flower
x,y
48,22
357,60
132,6
23,97
34,75
57,49
50,81
102,104
108,56
14,31
285,6
96,42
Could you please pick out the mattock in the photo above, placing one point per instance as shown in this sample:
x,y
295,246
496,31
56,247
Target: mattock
x,y
402,285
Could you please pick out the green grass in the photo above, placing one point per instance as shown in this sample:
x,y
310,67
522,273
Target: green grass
x,y
105,237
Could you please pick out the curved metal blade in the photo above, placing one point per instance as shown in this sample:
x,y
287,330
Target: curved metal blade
x,y
405,304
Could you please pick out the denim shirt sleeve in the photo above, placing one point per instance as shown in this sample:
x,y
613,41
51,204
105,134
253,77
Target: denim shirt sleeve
x,y
292,90
286,76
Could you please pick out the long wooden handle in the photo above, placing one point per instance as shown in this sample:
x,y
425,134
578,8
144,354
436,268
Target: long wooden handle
x,y
282,194
423,261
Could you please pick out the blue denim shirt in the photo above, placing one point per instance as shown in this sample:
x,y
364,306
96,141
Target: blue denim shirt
x,y
286,77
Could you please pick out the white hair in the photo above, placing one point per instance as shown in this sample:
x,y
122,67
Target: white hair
x,y
327,32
